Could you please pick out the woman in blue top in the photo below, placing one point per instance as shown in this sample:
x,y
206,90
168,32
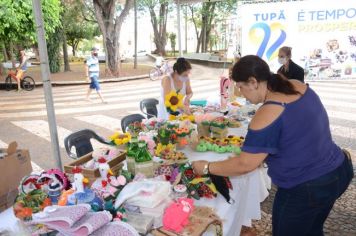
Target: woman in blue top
x,y
291,133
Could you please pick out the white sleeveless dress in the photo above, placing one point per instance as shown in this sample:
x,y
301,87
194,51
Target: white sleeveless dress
x,y
162,110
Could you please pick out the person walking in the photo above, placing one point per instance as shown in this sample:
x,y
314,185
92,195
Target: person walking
x,y
92,74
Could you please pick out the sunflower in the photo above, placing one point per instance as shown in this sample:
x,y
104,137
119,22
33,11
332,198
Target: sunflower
x,y
172,117
174,100
191,118
121,139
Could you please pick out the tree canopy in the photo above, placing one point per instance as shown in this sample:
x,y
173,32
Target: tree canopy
x,y
17,20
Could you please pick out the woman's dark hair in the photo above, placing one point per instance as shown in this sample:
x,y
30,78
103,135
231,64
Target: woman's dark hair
x,y
253,66
181,65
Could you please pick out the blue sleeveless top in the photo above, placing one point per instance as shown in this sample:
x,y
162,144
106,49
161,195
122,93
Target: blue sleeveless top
x,y
298,142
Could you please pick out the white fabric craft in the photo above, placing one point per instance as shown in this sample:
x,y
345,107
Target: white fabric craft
x,y
145,193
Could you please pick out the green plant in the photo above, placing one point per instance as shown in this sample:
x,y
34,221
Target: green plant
x,y
172,38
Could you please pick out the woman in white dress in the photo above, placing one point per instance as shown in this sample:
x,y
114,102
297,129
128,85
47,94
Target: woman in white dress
x,y
178,80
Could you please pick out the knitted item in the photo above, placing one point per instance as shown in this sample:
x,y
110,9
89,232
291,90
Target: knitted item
x,y
199,221
177,214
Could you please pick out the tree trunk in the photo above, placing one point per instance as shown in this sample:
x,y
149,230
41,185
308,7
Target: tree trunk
x,y
199,41
159,28
37,53
107,70
196,29
73,50
65,53
4,52
110,26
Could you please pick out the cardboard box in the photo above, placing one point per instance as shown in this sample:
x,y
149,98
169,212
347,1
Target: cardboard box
x,y
92,174
14,165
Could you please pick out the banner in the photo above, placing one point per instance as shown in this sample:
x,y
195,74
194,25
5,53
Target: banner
x,y
321,33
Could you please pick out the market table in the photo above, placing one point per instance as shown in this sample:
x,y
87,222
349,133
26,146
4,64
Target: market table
x,y
249,191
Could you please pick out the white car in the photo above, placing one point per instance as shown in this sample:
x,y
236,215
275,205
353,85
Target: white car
x,y
141,53
102,57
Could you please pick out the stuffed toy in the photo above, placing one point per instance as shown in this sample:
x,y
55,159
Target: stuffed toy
x,y
176,216
81,194
224,92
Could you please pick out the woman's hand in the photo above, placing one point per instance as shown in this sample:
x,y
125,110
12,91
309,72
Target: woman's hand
x,y
198,167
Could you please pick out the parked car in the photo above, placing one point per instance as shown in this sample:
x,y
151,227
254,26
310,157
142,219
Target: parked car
x,y
102,57
141,53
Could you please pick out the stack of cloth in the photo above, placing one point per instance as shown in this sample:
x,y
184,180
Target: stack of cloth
x,y
78,220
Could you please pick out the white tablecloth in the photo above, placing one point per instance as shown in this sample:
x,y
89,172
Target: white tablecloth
x,y
249,191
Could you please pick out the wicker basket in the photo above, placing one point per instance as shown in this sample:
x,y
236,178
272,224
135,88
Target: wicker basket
x,y
203,130
146,168
219,132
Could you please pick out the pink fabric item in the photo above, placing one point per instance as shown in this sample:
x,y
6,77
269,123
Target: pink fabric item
x,y
87,224
176,216
62,217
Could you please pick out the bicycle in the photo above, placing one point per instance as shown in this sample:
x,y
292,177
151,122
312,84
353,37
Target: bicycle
x,y
157,72
27,82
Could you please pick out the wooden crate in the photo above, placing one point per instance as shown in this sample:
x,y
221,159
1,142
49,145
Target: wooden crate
x,y
114,164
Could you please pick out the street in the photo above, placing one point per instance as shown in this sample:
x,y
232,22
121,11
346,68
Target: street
x,y
23,119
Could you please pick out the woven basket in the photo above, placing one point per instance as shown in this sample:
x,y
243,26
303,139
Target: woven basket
x,y
146,168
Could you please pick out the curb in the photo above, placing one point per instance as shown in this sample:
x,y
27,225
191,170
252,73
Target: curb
x,y
82,82
109,80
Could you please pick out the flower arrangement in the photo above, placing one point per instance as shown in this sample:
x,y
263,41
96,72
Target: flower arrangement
x,y
135,128
153,123
162,149
220,122
184,117
173,101
120,138
33,202
182,132
230,144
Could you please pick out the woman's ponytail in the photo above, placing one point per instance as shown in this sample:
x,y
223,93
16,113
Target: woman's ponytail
x,y
278,83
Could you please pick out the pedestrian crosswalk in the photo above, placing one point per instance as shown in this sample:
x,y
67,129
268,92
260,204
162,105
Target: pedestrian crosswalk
x,y
101,121
26,112
40,128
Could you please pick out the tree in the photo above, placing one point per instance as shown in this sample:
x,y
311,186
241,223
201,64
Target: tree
x,y
64,38
213,41
53,49
17,27
76,27
203,16
158,21
110,22
172,38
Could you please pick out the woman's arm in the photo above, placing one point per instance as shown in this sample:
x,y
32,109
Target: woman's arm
x,y
246,162
188,96
166,85
233,166
189,91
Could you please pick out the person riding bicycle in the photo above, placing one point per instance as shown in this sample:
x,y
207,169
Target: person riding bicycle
x,y
21,69
159,60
